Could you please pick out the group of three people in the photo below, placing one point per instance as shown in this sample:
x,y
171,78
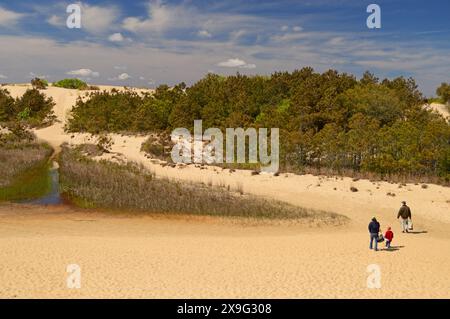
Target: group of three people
x,y
374,227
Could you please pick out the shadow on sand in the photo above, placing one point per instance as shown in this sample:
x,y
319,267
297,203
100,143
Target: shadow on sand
x,y
392,248
417,232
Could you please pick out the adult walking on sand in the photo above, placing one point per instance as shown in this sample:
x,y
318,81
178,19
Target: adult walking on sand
x,y
374,229
405,214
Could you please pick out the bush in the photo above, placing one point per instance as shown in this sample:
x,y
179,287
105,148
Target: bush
x,y
443,92
34,108
158,147
39,84
7,111
71,84
106,112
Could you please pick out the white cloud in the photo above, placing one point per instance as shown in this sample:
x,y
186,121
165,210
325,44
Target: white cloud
x,y
236,63
289,37
116,37
160,17
56,21
124,76
121,77
2,76
297,28
96,19
84,73
120,67
284,28
204,34
33,75
9,18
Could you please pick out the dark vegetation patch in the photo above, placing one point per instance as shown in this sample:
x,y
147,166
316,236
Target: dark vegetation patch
x,y
330,123
102,184
23,166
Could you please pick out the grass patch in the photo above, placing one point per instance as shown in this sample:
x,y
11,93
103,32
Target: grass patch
x,y
31,184
102,184
24,167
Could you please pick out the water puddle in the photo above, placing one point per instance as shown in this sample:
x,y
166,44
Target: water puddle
x,y
53,197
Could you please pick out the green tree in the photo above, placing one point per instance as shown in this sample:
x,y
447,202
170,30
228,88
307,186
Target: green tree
x,y
7,111
443,91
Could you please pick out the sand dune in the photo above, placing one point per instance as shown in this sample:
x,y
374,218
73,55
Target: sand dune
x,y
129,256
123,256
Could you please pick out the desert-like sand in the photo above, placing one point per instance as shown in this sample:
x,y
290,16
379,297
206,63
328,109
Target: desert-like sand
x,y
187,257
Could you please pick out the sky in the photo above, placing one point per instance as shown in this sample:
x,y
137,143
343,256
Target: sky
x,y
146,43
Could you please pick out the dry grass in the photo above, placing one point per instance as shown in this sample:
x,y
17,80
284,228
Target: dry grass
x,y
130,187
17,158
23,166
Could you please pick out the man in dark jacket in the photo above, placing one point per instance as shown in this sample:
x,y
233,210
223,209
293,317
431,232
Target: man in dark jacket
x,y
405,214
374,229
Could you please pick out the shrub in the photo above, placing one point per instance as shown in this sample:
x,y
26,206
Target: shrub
x,y
39,84
158,147
7,111
34,108
443,92
104,143
106,112
72,84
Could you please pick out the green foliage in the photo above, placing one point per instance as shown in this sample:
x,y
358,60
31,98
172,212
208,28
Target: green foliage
x,y
327,121
7,110
39,84
24,165
443,91
34,108
72,84
24,114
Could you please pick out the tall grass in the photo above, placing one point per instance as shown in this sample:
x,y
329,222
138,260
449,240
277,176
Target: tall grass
x,y
90,183
24,170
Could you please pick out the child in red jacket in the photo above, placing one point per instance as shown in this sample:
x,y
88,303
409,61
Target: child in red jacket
x,y
389,236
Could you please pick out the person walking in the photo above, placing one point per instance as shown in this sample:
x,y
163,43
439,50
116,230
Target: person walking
x,y
405,214
374,229
389,236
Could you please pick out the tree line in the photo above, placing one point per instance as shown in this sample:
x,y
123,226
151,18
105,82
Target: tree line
x,y
328,121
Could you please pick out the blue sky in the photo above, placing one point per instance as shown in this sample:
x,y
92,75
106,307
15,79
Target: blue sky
x,y
150,42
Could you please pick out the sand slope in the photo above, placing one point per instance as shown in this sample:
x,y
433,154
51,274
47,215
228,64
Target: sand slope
x,y
189,258
147,257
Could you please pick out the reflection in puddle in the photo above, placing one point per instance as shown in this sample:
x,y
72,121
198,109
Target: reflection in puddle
x,y
54,196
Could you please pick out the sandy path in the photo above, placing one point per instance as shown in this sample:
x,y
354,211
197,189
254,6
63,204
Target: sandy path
x,y
144,257
156,257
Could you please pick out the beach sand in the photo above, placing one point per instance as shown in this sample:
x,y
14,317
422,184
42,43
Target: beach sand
x,y
186,257
181,257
